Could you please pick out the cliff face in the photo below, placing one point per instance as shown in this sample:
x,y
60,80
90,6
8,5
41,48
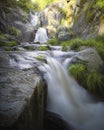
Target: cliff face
x,y
88,19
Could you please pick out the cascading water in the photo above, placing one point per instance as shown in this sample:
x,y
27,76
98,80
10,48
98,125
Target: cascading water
x,y
34,19
41,36
65,96
71,101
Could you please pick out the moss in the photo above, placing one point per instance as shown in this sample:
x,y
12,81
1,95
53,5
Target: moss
x,y
97,42
64,47
14,31
28,5
8,49
74,43
2,36
9,44
12,43
53,41
43,48
40,58
92,81
2,44
78,71
24,19
29,47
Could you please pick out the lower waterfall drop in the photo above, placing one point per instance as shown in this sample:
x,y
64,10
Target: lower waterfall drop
x,y
71,101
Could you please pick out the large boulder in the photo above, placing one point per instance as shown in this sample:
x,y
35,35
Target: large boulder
x,y
21,94
91,58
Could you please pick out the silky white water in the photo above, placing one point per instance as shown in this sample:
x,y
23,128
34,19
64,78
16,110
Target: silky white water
x,y
41,36
34,18
71,101
65,96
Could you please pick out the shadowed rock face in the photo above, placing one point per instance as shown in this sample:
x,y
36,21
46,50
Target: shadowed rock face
x,y
21,96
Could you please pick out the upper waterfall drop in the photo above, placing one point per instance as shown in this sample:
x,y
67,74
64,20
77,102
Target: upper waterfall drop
x,y
34,19
41,36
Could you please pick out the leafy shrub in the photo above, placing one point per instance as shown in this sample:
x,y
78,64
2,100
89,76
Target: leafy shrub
x,y
29,47
8,49
74,43
97,42
43,48
64,47
93,81
40,58
12,43
24,19
78,72
9,43
53,41
14,31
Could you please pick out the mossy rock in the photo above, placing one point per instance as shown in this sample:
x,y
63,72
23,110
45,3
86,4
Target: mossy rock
x,y
14,31
53,42
8,44
64,47
29,47
43,48
8,49
91,80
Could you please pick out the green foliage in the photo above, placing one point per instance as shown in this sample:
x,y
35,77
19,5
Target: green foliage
x,y
64,47
99,4
74,43
29,47
43,48
97,42
12,43
9,44
24,19
78,71
42,3
93,81
53,41
8,49
27,5
40,58
10,3
14,31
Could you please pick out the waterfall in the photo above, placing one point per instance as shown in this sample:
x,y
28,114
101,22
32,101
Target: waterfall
x,y
65,97
34,19
41,36
71,101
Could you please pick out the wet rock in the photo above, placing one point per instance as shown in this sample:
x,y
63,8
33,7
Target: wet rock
x,y
55,122
22,96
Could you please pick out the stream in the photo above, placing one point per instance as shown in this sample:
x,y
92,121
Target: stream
x,y
65,96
